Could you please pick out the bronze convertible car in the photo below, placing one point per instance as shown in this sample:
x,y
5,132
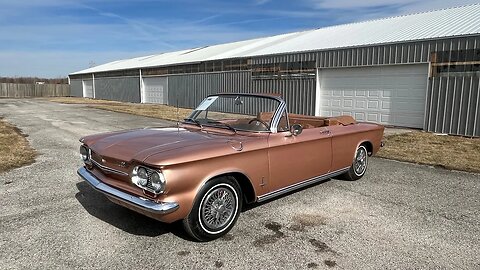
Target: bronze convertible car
x,y
233,149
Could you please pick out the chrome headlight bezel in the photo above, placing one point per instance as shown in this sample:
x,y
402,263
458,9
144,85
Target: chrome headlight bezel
x,y
154,181
85,153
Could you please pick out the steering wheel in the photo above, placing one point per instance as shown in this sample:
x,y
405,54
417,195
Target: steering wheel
x,y
259,121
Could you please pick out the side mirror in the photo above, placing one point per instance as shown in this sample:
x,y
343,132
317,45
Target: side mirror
x,y
296,129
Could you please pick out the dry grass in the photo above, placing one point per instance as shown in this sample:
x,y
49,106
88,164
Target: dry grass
x,y
156,111
450,152
15,150
79,100
150,110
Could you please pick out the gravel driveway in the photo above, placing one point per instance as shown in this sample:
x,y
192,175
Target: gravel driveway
x,y
399,216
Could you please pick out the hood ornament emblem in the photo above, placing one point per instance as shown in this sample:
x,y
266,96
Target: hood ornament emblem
x,y
123,164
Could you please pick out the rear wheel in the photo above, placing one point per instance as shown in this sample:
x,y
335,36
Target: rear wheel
x,y
359,164
216,209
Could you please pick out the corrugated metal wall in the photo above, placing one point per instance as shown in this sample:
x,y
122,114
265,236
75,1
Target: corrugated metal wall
x,y
298,93
120,89
76,88
391,54
188,90
453,105
453,98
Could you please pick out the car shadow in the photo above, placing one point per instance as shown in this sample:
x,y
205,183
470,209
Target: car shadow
x,y
97,205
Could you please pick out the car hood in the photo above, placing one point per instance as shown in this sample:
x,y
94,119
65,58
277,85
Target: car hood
x,y
140,144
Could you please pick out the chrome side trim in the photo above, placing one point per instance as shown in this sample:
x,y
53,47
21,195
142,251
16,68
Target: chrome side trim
x,y
300,185
108,169
142,203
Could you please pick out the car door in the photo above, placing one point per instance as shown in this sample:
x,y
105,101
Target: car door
x,y
293,159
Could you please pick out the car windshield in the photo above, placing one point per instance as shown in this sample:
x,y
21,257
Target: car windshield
x,y
235,112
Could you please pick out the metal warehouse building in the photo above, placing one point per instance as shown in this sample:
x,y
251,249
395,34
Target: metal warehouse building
x,y
420,70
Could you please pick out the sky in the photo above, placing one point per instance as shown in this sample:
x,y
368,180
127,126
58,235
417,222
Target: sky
x,y
52,38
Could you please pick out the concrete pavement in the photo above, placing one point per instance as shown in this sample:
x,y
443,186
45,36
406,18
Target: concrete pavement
x,y
399,216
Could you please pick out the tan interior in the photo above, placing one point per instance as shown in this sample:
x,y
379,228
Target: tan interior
x,y
308,121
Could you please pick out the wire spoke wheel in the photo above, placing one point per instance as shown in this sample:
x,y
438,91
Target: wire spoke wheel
x,y
218,208
360,163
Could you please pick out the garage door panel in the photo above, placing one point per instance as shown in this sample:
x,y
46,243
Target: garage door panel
x,y
386,105
372,117
326,113
155,90
384,118
374,93
348,103
373,104
392,95
336,113
359,116
88,88
360,104
336,103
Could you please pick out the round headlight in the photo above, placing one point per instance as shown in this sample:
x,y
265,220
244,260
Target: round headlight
x,y
142,173
148,179
84,153
158,181
140,176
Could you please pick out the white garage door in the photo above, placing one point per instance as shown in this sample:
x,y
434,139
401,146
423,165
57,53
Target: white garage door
x,y
155,90
88,88
391,95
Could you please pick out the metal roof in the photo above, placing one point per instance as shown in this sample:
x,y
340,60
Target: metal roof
x,y
451,22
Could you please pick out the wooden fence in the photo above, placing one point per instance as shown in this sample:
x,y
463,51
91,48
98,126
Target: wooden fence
x,y
18,90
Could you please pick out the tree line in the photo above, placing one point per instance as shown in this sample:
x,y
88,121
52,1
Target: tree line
x,y
30,80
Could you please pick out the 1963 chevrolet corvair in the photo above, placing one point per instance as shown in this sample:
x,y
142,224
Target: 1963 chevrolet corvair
x,y
233,149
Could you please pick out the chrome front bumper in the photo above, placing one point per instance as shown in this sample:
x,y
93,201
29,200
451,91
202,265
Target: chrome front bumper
x,y
142,203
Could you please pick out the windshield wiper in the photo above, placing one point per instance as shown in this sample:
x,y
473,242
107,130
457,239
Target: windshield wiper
x,y
223,124
194,121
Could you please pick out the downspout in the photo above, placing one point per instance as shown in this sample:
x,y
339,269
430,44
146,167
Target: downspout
x,y
142,87
93,84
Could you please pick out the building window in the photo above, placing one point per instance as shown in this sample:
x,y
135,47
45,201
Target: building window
x,y
452,63
284,70
117,73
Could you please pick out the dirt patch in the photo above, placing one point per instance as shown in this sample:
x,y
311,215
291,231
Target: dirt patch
x,y
320,246
15,151
227,237
271,238
301,221
443,151
330,263
218,264
312,265
183,253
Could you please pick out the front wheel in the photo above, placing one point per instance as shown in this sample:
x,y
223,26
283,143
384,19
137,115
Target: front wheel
x,y
215,210
359,164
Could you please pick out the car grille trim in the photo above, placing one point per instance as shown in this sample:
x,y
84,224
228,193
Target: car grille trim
x,y
108,169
